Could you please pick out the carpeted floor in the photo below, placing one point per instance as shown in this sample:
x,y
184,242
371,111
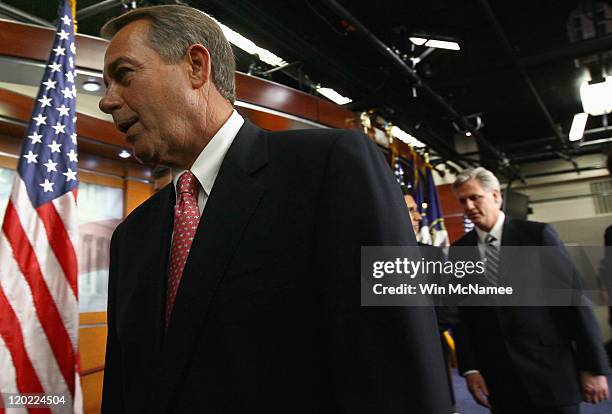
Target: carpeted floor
x,y
466,405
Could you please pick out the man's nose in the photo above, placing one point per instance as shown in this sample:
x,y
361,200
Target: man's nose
x,y
110,102
468,205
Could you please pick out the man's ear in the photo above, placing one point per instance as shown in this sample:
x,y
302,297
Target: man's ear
x,y
497,197
199,66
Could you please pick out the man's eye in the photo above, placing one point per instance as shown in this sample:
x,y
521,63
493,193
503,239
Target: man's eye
x,y
121,74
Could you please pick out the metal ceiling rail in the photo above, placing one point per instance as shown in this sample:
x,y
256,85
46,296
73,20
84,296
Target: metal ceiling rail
x,y
510,51
22,16
571,51
414,76
289,40
98,8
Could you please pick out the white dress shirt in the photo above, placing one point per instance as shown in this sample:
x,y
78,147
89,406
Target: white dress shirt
x,y
206,166
496,232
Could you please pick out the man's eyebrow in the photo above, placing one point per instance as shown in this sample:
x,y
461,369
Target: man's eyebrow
x,y
112,67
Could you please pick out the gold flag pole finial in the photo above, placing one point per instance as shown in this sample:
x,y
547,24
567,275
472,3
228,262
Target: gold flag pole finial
x,y
73,7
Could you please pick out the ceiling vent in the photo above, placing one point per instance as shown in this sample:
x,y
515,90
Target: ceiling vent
x,y
602,195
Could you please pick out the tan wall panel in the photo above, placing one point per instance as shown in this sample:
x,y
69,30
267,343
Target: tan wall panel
x,y
8,162
92,344
92,392
135,193
88,318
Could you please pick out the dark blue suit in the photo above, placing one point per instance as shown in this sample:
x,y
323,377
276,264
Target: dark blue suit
x,y
267,316
529,356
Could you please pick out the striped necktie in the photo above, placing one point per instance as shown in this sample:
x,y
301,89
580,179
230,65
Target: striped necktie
x,y
492,261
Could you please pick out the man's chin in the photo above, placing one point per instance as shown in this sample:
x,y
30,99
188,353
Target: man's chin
x,y
145,157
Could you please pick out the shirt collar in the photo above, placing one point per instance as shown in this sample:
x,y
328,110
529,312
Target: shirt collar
x,y
496,231
207,165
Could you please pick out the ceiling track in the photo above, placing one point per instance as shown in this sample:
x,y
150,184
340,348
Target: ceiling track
x,y
515,59
422,85
98,8
21,16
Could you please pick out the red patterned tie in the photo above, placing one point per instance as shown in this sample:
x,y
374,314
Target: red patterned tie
x,y
186,219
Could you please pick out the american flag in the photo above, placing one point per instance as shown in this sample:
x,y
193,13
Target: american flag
x,y
39,312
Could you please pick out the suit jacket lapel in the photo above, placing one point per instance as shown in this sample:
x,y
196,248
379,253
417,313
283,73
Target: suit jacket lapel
x,y
232,202
151,249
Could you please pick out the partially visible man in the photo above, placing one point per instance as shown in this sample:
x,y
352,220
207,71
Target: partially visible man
x,y
413,210
446,315
236,288
522,359
607,264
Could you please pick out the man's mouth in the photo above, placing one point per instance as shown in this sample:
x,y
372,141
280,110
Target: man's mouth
x,y
123,126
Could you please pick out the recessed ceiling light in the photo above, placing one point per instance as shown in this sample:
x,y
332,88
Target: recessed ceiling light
x,y
91,85
124,154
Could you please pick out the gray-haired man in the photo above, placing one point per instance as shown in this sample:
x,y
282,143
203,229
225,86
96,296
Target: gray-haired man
x,y
522,359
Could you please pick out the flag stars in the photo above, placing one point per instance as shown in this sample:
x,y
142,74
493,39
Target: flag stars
x,y
72,155
73,137
55,147
63,35
49,84
47,186
70,175
55,67
40,120
59,128
70,77
66,20
31,157
36,138
72,48
71,61
63,110
44,101
50,165
59,51
67,93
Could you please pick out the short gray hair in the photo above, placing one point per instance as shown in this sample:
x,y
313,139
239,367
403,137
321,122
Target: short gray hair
x,y
176,27
486,178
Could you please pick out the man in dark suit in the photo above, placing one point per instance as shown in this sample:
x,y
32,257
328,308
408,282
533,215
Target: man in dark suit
x,y
521,359
236,288
607,264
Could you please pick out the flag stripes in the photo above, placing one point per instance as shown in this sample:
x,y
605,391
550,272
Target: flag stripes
x,y
60,243
44,305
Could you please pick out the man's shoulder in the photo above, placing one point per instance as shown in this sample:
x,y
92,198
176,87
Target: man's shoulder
x,y
527,226
315,138
151,206
468,239
608,236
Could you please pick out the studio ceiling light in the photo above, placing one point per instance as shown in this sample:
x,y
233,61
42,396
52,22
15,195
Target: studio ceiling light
x,y
406,137
124,154
248,46
437,43
334,96
597,97
578,125
271,59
